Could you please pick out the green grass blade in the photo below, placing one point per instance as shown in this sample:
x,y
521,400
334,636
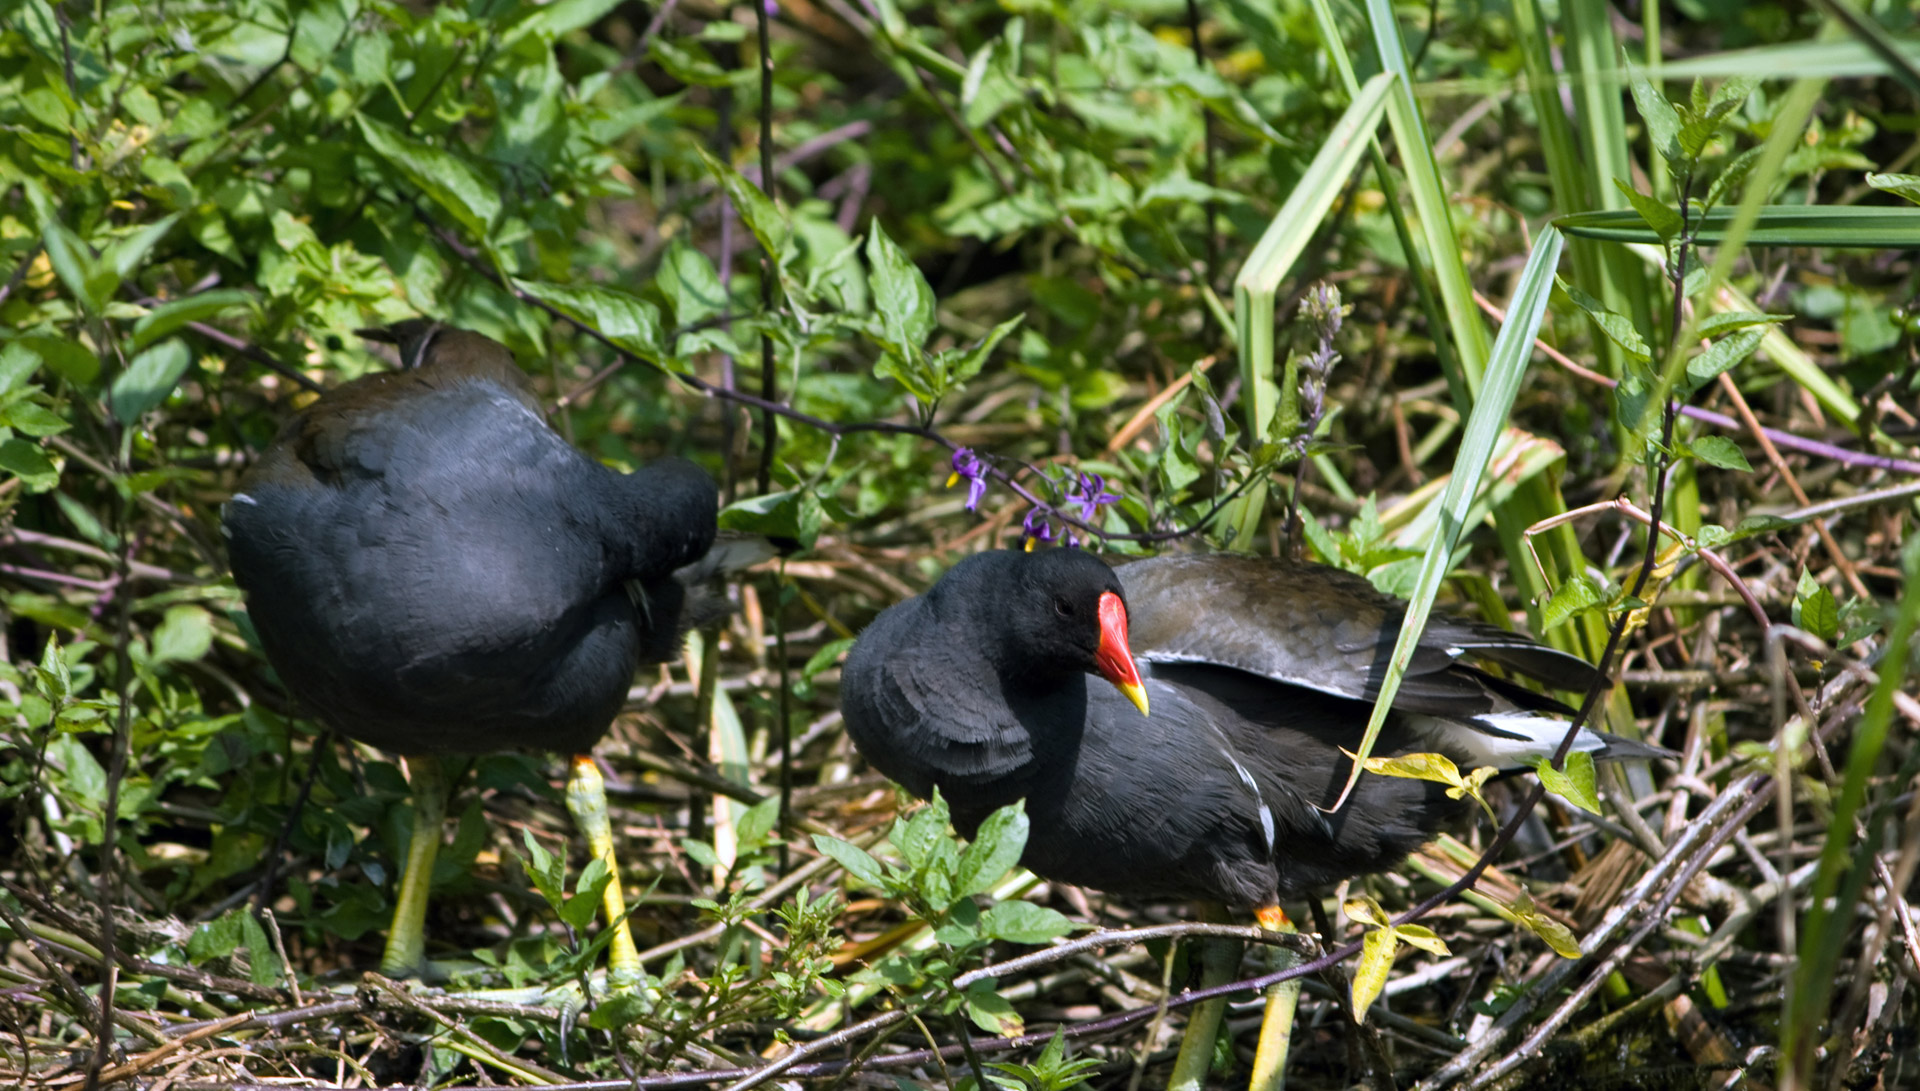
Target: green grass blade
x,y
1506,366
1845,59
1859,227
1430,202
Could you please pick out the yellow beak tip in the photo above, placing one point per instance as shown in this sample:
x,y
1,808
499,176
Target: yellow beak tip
x,y
1138,695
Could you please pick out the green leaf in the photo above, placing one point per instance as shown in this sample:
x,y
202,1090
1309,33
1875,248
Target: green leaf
x,y
1721,355
26,461
790,513
1722,452
854,859
1419,935
1024,922
1618,327
996,848
33,419
1867,227
91,281
1575,783
963,364
1663,122
445,178
1571,599
758,821
691,284
579,910
1815,609
900,293
125,255
992,1012
1900,185
184,635
547,872
149,378
1557,936
1370,973
631,323
18,362
173,314
762,217
1664,220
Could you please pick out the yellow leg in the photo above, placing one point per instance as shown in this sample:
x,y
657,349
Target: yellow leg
x,y
407,937
1218,959
587,799
1276,1026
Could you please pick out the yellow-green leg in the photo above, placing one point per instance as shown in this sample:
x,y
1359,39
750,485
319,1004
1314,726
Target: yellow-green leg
x,y
407,937
1276,1026
1218,959
587,800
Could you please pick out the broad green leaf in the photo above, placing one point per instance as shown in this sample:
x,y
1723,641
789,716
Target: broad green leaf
x,y
791,513
149,378
996,847
631,323
1900,185
1815,609
125,255
18,361
184,635
1721,355
547,871
1722,452
762,217
691,284
33,419
1575,783
448,180
91,281
1572,598
900,293
579,910
26,461
854,859
757,823
992,1012
1024,922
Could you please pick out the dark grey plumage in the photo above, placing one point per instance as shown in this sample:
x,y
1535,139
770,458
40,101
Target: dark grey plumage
x,y
1256,672
433,569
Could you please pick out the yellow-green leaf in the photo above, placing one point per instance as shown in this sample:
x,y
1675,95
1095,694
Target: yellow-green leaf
x,y
1370,974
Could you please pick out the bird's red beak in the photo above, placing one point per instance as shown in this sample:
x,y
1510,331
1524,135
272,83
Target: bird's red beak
x,y
1113,658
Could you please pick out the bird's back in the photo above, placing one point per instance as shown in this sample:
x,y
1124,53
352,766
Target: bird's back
x,y
433,568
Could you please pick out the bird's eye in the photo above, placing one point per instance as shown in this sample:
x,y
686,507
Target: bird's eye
x,y
1063,607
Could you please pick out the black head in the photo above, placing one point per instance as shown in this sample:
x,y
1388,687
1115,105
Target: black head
x,y
1035,614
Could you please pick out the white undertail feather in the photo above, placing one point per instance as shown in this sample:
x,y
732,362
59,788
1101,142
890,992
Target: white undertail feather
x,y
1504,740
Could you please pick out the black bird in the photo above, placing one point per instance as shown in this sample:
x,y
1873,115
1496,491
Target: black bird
x,y
433,570
1257,672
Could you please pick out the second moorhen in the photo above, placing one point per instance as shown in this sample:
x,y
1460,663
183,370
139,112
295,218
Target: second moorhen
x,y
1257,672
433,570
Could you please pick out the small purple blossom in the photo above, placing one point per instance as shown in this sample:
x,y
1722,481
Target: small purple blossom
x,y
1036,528
968,465
1090,492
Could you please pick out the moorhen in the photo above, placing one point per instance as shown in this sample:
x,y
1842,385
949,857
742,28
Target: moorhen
x,y
433,570
1257,671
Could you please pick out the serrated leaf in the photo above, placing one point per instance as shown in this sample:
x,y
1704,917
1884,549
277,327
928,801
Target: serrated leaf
x,y
1722,452
1575,783
1370,972
996,848
854,859
1024,922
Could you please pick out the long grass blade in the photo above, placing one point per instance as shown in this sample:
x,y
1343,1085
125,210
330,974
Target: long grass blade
x,y
1506,366
1855,227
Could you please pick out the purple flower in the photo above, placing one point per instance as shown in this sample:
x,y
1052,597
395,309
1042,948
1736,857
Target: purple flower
x,y
1090,492
968,465
1036,528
